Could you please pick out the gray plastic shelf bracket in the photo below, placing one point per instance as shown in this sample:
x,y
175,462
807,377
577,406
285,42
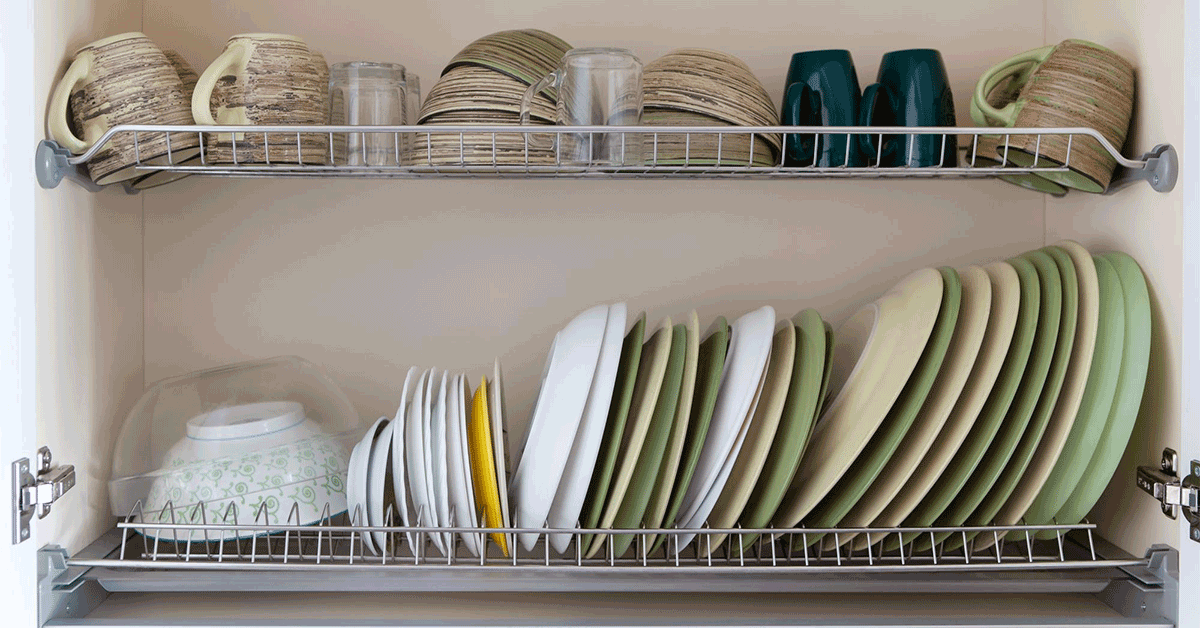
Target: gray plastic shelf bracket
x,y
51,165
1161,171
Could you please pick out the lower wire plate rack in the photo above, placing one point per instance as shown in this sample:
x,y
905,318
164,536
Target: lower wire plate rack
x,y
156,553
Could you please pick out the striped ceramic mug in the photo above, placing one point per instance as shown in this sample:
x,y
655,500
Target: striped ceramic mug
x,y
123,79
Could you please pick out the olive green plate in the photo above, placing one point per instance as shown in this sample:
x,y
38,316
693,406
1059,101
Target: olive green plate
x,y
1127,401
1004,309
799,414
1095,405
858,478
823,404
649,460
1000,424
651,371
708,380
1047,399
661,495
614,429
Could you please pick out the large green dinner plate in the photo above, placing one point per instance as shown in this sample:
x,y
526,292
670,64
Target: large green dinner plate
x,y
1047,399
704,399
1095,405
1127,401
998,429
645,472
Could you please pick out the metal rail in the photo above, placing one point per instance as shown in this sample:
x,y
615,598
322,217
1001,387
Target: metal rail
x,y
506,151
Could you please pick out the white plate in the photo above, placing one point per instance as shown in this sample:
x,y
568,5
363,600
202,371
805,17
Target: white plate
x,y
436,452
477,542
875,353
377,472
418,484
399,460
356,479
577,476
741,379
498,415
566,380
458,467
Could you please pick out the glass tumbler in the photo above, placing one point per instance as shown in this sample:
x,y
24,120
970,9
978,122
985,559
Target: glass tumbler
x,y
364,93
596,87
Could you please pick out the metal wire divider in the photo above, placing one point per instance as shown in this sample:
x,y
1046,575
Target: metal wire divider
x,y
161,541
475,151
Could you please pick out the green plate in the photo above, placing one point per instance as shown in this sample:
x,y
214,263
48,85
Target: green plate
x,y
661,494
645,472
1096,403
852,485
1127,401
824,402
960,486
982,456
704,399
1047,398
614,429
799,414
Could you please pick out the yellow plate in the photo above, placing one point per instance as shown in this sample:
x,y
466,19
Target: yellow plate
x,y
483,466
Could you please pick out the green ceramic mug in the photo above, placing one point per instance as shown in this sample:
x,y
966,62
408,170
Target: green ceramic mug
x,y
822,90
1073,84
1001,89
911,89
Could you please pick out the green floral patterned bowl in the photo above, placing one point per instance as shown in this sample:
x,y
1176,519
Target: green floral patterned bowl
x,y
288,484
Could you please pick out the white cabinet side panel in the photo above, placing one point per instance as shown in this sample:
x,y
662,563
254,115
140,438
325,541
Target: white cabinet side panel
x,y
18,318
1144,224
89,367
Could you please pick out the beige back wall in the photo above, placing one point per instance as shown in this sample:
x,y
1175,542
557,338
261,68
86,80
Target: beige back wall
x,y
368,278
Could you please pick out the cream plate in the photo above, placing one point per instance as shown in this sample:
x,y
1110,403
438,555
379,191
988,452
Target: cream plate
x,y
874,355
566,380
1004,302
655,355
967,338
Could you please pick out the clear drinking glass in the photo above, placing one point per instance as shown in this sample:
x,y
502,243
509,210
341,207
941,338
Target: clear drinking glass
x,y
364,93
596,87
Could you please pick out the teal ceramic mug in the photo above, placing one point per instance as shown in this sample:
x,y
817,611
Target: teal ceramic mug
x,y
822,90
911,89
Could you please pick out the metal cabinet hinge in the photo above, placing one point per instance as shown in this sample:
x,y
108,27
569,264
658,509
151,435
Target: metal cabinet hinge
x,y
1173,494
35,489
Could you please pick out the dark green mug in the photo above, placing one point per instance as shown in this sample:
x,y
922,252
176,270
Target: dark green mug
x,y
911,89
822,90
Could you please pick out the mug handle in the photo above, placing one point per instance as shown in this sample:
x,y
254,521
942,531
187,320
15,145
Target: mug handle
x,y
1023,62
550,80
866,113
802,110
233,56
60,128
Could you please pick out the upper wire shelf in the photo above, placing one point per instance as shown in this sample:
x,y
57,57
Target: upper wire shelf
x,y
426,151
